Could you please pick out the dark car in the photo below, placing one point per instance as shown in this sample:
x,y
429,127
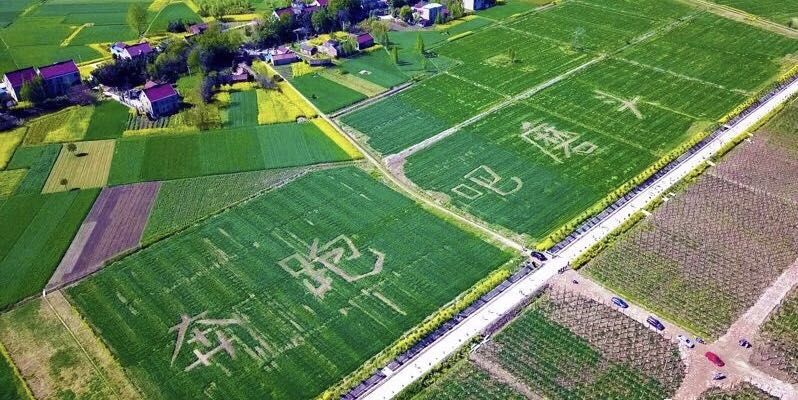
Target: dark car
x,y
539,256
655,323
619,302
714,359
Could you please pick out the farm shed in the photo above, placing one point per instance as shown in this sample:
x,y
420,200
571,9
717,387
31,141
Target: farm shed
x,y
283,59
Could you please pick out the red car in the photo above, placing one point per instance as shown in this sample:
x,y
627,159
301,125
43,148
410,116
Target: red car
x,y
714,359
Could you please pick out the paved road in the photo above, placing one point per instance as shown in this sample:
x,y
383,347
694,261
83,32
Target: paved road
x,y
506,301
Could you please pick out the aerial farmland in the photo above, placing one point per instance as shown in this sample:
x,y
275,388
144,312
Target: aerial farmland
x,y
393,199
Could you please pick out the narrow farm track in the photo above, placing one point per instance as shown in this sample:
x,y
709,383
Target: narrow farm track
x,y
438,351
742,16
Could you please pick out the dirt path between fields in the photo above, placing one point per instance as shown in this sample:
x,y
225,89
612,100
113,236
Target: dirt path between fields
x,y
744,17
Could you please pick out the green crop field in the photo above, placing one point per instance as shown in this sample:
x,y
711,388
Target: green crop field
x,y
184,201
539,163
420,112
308,281
243,109
510,8
378,66
38,160
171,12
781,11
484,57
466,381
325,94
36,232
220,152
701,50
108,121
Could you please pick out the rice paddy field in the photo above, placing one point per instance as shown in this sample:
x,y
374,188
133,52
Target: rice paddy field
x,y
565,346
138,159
292,291
652,81
37,230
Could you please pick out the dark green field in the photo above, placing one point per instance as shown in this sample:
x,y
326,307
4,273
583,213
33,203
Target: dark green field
x,y
220,152
36,231
313,278
327,95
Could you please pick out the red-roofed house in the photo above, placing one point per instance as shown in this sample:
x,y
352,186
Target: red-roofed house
x,y
124,51
363,41
14,80
283,59
160,100
59,77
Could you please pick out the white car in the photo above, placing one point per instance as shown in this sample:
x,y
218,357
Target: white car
x,y
686,341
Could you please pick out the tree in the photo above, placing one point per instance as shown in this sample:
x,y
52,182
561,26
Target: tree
x,y
420,44
455,8
794,23
576,41
321,21
72,147
203,117
122,74
405,13
343,10
64,182
33,91
206,88
137,18
379,31
511,55
395,55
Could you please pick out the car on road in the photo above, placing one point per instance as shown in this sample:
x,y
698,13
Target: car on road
x,y
744,343
686,341
619,302
655,323
714,359
538,255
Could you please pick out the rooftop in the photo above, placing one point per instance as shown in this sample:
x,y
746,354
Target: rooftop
x,y
58,69
20,76
159,92
139,49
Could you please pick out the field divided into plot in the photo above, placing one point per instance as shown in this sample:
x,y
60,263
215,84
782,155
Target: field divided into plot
x,y
220,152
702,49
565,346
420,112
35,233
38,160
537,164
312,279
534,193
327,95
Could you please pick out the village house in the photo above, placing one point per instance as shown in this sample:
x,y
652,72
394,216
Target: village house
x,y
308,49
159,100
14,80
363,41
428,12
58,78
127,52
285,58
331,48
473,5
